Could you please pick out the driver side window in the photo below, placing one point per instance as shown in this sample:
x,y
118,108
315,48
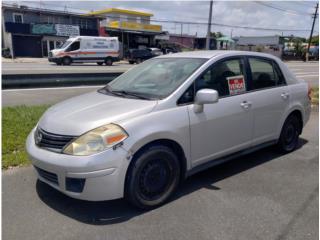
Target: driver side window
x,y
74,46
218,76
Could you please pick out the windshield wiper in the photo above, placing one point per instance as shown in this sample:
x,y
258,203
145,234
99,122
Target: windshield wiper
x,y
122,93
133,94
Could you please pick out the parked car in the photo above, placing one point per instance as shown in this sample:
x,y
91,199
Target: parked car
x,y
169,50
155,51
138,55
166,119
87,49
313,54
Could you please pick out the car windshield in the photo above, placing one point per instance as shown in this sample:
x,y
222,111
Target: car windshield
x,y
65,44
156,78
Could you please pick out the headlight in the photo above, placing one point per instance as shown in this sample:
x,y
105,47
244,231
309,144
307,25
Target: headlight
x,y
96,140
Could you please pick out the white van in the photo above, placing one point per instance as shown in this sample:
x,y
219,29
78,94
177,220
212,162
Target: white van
x,y
86,49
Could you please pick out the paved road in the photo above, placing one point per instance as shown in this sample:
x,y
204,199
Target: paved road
x,y
307,71
264,195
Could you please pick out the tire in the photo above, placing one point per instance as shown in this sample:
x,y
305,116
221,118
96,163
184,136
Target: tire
x,y
289,136
138,60
100,63
59,63
108,61
66,61
131,62
152,177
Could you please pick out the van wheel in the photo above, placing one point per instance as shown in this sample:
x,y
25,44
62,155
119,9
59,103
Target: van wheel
x,y
100,63
289,136
108,61
131,62
66,61
152,177
139,61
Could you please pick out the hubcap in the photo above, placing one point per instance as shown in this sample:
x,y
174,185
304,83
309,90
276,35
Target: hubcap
x,y
290,134
155,178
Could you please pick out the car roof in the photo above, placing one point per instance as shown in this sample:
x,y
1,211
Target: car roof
x,y
214,53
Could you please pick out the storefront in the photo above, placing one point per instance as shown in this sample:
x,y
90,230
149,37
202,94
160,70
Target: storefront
x,y
132,28
31,32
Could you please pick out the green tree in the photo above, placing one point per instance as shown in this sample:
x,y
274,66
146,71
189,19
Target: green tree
x,y
298,48
216,34
315,40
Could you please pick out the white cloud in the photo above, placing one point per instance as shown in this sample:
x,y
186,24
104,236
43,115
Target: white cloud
x,y
243,13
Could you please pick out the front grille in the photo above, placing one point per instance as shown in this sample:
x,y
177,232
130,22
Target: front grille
x,y
51,141
50,177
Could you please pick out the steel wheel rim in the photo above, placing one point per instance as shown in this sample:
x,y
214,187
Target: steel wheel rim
x,y
155,179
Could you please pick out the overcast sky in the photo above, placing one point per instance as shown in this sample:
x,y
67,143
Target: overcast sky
x,y
297,14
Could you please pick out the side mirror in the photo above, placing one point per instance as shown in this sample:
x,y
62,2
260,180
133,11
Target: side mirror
x,y
205,96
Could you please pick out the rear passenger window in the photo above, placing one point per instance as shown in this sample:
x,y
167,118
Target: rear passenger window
x,y
227,77
264,75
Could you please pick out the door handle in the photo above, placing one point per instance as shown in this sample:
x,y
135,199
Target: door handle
x,y
285,95
245,104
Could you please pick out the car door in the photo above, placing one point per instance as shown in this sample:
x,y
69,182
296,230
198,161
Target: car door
x,y
226,126
270,97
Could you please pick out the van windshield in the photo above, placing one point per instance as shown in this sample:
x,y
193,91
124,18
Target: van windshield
x,y
65,44
156,78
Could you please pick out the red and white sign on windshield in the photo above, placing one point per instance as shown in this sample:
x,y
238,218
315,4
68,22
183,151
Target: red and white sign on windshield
x,y
236,84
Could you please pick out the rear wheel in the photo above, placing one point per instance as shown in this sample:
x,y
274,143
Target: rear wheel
x,y
66,61
108,61
289,136
152,178
99,63
131,62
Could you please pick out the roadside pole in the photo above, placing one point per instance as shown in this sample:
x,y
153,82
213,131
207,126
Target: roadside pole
x,y
209,27
309,43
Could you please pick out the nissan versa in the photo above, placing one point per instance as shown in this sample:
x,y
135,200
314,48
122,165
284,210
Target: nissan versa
x,y
166,119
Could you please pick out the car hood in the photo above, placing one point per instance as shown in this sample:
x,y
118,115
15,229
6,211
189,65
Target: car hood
x,y
56,51
86,112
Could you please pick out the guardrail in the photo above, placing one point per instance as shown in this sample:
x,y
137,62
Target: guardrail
x,y
14,81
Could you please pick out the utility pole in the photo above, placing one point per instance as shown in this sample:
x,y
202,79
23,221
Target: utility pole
x,y
209,27
309,43
181,33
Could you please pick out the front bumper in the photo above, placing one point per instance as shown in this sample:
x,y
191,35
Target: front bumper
x,y
54,59
103,173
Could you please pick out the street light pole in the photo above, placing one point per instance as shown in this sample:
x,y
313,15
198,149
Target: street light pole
x,y
309,43
209,27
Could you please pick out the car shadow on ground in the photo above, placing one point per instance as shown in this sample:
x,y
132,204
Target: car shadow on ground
x,y
116,211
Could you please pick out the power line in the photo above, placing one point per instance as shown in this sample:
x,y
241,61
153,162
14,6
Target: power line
x,y
282,9
203,23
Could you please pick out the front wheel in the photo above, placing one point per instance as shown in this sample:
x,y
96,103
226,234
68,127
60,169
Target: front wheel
x,y
99,63
152,178
108,61
66,61
289,136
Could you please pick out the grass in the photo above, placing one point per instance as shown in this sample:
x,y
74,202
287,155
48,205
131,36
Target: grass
x,y
315,95
17,122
